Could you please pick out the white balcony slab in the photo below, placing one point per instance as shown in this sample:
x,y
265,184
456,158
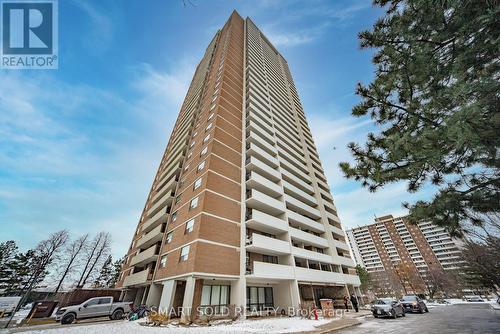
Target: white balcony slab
x,y
162,203
320,276
150,238
139,278
347,261
266,134
301,207
308,238
265,203
144,257
262,168
311,255
151,223
262,143
337,230
305,222
164,189
259,182
271,271
341,245
299,183
301,195
266,223
261,244
254,150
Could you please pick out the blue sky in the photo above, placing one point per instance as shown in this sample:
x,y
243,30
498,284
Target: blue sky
x,y
79,146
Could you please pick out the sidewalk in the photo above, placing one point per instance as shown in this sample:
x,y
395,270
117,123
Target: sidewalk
x,y
348,320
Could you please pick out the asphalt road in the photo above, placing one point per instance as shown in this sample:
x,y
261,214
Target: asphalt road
x,y
451,319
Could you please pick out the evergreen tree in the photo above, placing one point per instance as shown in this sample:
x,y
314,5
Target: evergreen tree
x,y
117,268
8,252
105,274
435,98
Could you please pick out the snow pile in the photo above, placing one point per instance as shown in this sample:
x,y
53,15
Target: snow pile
x,y
266,325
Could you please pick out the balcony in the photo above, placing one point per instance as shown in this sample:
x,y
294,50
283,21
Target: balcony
x,y
332,217
294,170
305,209
271,271
262,143
341,245
139,278
303,196
337,230
312,275
259,182
308,238
311,255
262,155
158,219
263,202
266,223
144,257
151,237
305,222
162,203
254,164
164,189
299,183
261,244
254,127
346,261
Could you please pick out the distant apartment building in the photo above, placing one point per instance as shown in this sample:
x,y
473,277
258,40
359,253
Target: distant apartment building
x,y
240,211
399,254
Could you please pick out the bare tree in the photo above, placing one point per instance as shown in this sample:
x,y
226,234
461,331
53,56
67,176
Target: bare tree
x,y
95,254
73,251
45,253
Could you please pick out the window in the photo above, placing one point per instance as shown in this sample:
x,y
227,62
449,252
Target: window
x,y
204,151
163,261
217,85
259,298
184,254
270,259
213,297
210,116
194,203
189,226
192,143
174,216
190,154
212,107
209,126
207,137
92,302
105,301
197,183
169,237
186,168
215,98
195,133
201,166
177,199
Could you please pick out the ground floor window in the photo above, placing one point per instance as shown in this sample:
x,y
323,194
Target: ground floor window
x,y
259,298
213,297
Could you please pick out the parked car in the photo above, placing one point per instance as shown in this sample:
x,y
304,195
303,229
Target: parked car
x,y
387,307
412,303
474,299
8,304
93,308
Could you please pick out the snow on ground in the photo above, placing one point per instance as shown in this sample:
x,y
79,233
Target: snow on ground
x,y
267,325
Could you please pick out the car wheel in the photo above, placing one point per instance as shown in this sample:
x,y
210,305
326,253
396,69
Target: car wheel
x,y
68,319
420,310
426,310
117,315
375,316
394,314
403,314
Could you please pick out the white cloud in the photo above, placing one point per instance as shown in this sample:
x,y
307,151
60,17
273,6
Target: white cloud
x,y
294,38
81,158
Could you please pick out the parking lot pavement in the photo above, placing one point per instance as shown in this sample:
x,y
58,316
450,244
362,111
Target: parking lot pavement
x,y
450,319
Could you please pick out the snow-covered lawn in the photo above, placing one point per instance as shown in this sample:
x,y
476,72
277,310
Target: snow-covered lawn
x,y
266,325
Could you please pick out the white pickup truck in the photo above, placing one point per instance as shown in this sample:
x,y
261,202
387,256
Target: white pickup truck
x,y
93,308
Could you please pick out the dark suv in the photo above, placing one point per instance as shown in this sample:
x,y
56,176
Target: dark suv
x,y
412,303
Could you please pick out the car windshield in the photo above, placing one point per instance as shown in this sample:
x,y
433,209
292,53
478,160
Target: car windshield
x,y
409,298
384,301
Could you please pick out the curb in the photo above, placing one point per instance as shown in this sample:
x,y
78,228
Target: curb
x,y
340,327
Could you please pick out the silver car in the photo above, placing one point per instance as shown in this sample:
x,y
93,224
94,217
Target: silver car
x,y
387,307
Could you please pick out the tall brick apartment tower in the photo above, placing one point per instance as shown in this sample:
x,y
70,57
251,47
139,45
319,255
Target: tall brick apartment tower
x,y
240,211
